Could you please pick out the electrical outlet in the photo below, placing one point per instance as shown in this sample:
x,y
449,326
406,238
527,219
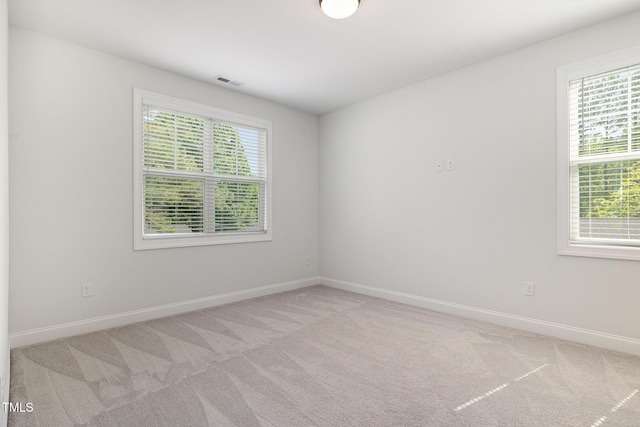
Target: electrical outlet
x,y
529,288
87,289
451,164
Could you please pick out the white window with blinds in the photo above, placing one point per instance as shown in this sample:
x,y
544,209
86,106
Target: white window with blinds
x,y
201,174
599,157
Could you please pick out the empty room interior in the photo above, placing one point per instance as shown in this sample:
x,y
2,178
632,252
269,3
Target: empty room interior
x,y
319,213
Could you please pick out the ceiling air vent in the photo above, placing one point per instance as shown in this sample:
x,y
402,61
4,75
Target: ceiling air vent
x,y
225,80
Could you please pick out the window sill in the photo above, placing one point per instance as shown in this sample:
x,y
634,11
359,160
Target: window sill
x,y
600,251
181,242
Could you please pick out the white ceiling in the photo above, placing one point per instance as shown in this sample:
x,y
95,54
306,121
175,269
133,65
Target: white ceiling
x,y
288,51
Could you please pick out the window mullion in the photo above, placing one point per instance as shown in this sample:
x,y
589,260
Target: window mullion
x,y
209,183
606,158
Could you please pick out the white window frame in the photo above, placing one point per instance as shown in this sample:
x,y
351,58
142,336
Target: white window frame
x,y
142,242
564,75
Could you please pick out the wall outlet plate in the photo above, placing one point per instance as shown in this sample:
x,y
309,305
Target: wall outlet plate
x,y
86,290
529,288
451,164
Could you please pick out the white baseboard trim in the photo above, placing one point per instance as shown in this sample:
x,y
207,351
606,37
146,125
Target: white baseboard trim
x,y
569,333
34,336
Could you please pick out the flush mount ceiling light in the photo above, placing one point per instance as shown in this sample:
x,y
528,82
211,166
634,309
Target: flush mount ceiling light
x,y
338,9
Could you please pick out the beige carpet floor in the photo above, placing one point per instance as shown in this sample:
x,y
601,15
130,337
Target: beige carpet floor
x,y
321,357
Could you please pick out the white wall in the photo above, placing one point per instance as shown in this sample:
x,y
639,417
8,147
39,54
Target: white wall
x,y
474,235
4,215
387,219
71,191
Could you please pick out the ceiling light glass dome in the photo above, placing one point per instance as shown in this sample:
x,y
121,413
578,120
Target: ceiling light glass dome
x,y
339,9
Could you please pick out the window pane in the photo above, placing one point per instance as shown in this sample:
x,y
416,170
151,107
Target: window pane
x,y
173,205
237,206
604,113
173,141
237,150
610,200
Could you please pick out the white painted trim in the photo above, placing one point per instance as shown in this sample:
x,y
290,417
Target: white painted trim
x,y
564,75
140,97
569,333
4,421
34,336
